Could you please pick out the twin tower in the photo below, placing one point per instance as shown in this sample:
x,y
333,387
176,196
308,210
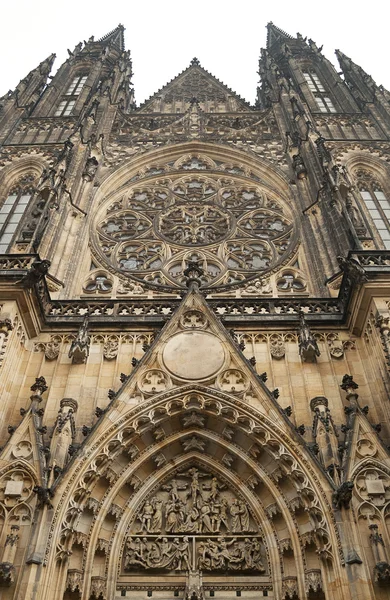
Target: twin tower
x,y
195,331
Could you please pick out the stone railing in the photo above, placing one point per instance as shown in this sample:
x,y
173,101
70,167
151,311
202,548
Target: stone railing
x,y
325,310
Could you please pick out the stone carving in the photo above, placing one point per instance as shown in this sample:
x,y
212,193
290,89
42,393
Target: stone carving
x,y
194,224
193,443
373,485
99,283
22,450
277,349
79,349
130,287
258,286
110,349
7,573
290,587
194,502
222,554
382,567
233,381
193,419
15,487
64,432
211,554
98,587
74,580
149,232
313,580
52,350
308,348
343,495
336,349
290,281
154,381
193,319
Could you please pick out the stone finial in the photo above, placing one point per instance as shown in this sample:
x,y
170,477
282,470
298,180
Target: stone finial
x,y
193,274
38,388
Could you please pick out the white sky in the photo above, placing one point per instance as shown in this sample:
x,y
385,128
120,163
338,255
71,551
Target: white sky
x,y
164,36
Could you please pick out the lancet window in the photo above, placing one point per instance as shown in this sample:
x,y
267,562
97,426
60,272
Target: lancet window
x,y
68,101
377,204
11,213
320,94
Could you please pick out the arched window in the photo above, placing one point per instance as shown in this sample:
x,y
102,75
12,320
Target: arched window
x,y
377,205
319,92
12,211
68,101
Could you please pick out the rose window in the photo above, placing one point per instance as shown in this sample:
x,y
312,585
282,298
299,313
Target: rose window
x,y
189,224
234,231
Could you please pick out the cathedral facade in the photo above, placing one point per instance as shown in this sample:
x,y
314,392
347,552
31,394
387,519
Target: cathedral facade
x,y
195,332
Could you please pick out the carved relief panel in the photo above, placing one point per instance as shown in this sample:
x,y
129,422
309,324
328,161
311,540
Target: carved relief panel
x,y
194,521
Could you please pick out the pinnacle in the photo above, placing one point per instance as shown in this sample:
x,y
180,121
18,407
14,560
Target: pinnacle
x,y
116,36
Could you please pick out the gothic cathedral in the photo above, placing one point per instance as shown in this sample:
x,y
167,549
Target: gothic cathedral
x,y
195,332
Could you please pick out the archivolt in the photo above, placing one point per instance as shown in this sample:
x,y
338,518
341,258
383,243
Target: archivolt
x,y
272,474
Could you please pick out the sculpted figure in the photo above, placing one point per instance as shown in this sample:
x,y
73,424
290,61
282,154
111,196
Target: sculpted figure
x,y
205,524
146,517
182,553
223,550
244,517
156,523
191,524
235,513
257,562
223,513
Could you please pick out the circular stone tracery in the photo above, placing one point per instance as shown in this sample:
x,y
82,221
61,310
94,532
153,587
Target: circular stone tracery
x,y
189,224
235,231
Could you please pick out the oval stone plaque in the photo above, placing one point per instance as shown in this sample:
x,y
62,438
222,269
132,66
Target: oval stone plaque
x,y
193,355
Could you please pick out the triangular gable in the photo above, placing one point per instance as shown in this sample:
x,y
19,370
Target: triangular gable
x,y
195,83
195,348
362,444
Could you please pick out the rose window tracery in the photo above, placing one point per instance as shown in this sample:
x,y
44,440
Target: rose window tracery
x,y
234,231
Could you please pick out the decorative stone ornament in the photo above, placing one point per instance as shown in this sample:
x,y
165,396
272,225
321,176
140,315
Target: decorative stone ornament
x,y
193,355
79,349
308,347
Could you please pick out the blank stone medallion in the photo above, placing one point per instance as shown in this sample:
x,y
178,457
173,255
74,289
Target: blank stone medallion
x,y
193,355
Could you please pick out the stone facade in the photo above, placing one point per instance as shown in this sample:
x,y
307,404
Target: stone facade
x,y
195,332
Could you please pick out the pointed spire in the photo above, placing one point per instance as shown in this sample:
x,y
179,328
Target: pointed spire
x,y
362,86
29,89
116,36
274,34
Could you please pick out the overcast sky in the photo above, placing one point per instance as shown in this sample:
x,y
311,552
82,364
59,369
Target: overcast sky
x,y
164,36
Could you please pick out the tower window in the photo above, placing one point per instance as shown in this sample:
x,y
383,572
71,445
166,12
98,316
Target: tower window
x,y
324,103
65,108
68,101
11,214
76,86
378,207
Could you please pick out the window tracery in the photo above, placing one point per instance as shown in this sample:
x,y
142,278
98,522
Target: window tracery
x,y
376,203
68,101
235,231
320,94
13,210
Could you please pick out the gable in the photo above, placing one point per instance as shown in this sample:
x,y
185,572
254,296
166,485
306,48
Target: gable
x,y
195,83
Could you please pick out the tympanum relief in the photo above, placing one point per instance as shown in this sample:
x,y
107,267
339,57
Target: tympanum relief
x,y
194,521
